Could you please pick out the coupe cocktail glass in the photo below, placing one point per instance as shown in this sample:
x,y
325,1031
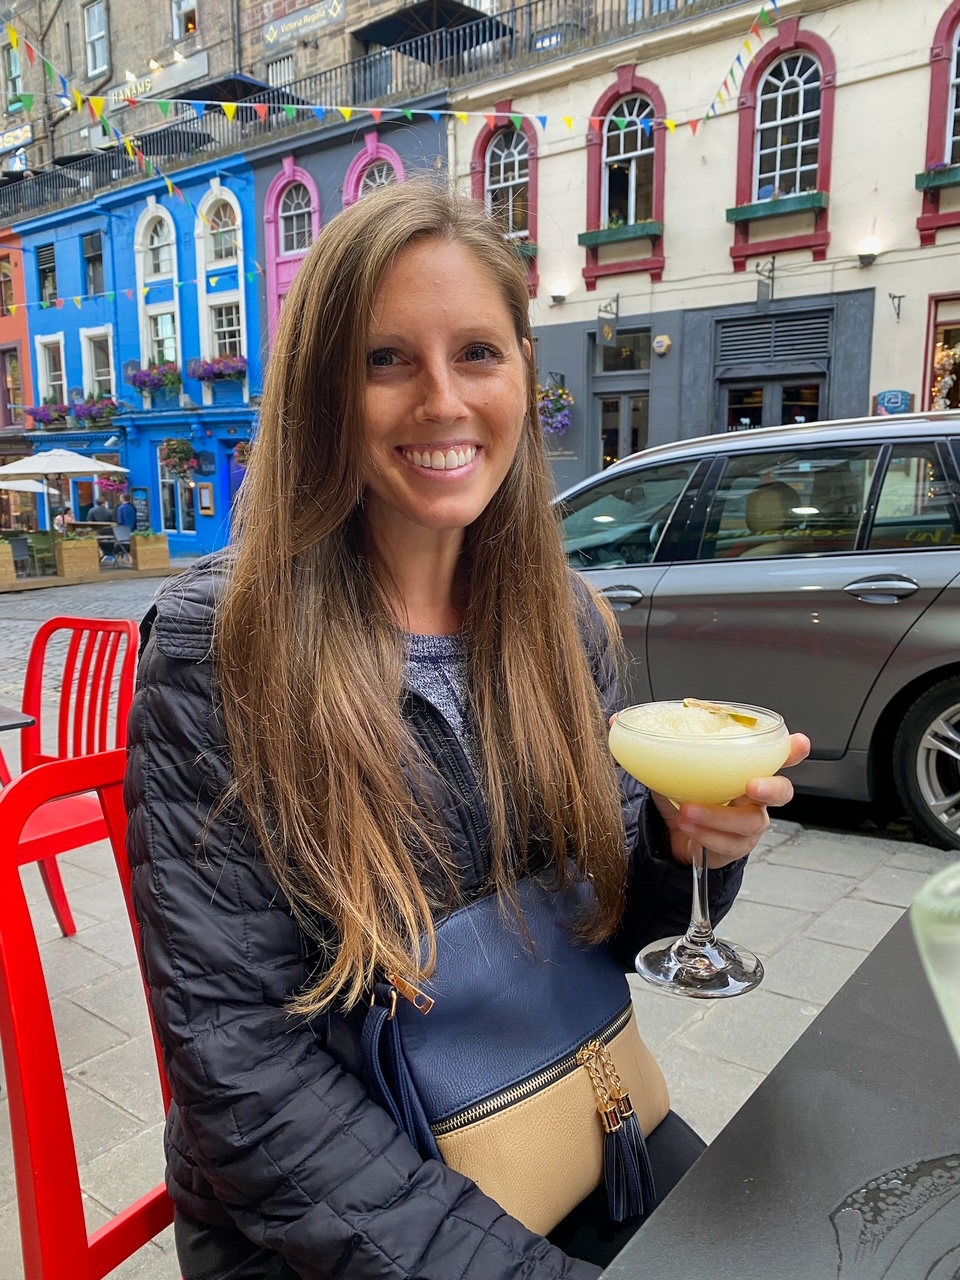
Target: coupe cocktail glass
x,y
703,753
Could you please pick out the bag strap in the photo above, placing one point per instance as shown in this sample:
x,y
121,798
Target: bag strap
x,y
388,1074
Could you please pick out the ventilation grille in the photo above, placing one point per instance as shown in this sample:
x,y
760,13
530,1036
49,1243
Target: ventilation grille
x,y
774,338
46,257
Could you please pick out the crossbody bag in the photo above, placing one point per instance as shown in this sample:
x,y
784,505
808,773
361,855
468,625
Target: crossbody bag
x,y
519,1063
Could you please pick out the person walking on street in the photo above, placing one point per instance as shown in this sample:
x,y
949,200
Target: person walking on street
x,y
127,513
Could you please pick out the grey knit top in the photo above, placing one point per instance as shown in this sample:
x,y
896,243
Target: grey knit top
x,y
436,668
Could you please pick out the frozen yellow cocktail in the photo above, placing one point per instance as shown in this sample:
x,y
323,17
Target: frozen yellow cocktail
x,y
688,751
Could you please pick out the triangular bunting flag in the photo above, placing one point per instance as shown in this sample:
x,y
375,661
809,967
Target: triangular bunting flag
x,y
568,121
319,112
12,35
13,308
31,53
407,113
671,125
261,109
214,281
177,192
77,302
199,108
435,116
755,31
740,61
145,290
59,304
44,305
776,7
748,47
491,121
151,169
178,284
129,293
64,88
694,126
251,275
543,121
622,123
377,113
129,145
96,106
111,295
27,100
647,126
290,112
596,122
462,116
169,185
229,110
49,70
346,112
165,108
78,97
135,102
765,17
517,122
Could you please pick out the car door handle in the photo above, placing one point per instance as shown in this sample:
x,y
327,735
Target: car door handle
x,y
622,597
883,589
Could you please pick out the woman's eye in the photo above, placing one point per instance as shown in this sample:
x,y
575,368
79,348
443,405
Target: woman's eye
x,y
381,359
481,351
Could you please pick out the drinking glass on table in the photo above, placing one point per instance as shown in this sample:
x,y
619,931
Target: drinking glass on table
x,y
704,753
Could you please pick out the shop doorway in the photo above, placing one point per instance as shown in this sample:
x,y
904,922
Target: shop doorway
x,y
624,424
771,402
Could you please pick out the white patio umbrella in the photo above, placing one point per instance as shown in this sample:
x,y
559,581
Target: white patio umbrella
x,y
23,486
57,463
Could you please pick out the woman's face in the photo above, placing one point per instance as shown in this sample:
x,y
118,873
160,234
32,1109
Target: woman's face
x,y
446,392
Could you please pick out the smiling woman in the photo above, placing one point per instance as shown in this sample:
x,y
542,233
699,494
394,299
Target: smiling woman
x,y
398,695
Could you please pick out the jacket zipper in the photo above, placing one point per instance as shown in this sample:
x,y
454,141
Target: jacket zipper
x,y
527,1088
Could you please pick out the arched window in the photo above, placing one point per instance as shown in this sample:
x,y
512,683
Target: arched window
x,y
508,182
788,128
380,174
296,223
942,159
627,195
159,245
222,221
376,166
785,148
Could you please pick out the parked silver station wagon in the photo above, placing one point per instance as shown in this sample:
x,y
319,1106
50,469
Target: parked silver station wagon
x,y
814,570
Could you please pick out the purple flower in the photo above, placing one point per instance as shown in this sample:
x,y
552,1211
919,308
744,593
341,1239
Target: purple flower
x,y
234,367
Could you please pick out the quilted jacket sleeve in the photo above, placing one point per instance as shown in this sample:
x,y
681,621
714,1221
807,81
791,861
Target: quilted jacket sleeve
x,y
659,889
293,1147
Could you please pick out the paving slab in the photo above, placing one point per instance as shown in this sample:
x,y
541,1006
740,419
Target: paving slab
x,y
854,922
811,970
781,886
81,1034
892,885
126,1172
706,1091
118,998
67,965
755,1031
824,854
98,1125
760,927
127,1076
660,1015
112,940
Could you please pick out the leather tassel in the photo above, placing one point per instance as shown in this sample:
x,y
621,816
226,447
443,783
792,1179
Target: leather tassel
x,y
633,1137
621,1172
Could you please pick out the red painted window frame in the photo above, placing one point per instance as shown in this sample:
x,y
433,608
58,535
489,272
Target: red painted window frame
x,y
789,37
941,64
627,82
499,119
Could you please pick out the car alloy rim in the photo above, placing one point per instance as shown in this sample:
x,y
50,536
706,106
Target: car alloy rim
x,y
938,768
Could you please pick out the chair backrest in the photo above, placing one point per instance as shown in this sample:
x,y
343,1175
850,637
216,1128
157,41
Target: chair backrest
x,y
91,667
20,548
52,1226
122,534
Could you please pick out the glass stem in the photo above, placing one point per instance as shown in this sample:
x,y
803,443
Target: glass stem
x,y
700,931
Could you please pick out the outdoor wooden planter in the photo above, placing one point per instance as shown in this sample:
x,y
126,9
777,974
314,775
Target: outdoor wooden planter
x,y
77,557
7,573
150,553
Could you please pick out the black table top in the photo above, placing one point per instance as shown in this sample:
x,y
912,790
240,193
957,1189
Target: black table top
x,y
843,1165
11,719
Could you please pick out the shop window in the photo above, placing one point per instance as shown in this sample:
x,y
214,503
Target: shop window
x,y
631,351
95,37
626,166
504,174
376,166
178,509
785,147
771,402
12,386
93,261
184,18
942,158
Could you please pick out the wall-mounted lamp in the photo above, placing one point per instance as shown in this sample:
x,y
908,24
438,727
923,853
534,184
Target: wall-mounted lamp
x,y
558,292
130,77
178,56
154,65
868,251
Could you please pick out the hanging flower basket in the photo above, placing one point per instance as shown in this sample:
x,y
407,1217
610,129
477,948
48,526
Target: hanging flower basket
x,y
556,409
91,410
43,414
233,368
108,485
157,377
945,363
177,455
241,453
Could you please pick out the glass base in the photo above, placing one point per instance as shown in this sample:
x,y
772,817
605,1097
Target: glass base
x,y
712,971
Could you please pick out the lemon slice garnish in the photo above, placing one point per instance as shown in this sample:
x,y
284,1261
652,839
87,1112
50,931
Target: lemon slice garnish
x,y
715,708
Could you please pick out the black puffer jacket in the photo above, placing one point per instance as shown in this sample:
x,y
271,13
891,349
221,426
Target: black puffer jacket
x,y
271,1127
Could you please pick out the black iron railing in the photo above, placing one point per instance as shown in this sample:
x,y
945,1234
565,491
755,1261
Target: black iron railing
x,y
541,30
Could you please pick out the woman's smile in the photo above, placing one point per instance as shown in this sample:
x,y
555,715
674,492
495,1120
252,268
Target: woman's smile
x,y
441,458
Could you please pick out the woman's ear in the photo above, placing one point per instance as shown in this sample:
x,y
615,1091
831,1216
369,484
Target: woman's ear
x,y
527,350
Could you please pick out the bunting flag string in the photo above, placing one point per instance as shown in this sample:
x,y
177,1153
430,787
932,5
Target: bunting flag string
x,y
727,93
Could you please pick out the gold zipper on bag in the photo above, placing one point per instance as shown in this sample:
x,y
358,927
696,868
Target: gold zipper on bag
x,y
527,1088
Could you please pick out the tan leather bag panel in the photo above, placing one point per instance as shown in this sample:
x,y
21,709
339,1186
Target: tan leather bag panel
x,y
540,1158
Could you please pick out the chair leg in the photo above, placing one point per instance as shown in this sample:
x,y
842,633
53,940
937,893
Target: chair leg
x,y
53,883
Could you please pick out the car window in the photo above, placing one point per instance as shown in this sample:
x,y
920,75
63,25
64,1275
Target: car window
x,y
917,506
620,519
794,502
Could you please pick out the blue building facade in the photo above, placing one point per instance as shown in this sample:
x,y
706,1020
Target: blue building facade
x,y
144,276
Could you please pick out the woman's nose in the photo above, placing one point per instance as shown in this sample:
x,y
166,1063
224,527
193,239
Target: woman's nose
x,y
440,398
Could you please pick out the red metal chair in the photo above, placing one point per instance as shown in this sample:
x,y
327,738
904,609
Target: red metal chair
x,y
95,684
52,1227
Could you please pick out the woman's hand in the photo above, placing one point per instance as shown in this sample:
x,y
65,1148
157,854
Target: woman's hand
x,y
729,831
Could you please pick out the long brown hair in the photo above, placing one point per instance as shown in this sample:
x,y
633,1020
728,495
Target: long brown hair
x,y
311,662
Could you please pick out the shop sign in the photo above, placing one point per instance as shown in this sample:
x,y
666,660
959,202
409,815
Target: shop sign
x,y
20,136
141,500
888,402
302,23
157,83
206,463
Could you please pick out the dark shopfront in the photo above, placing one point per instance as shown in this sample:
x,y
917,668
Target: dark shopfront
x,y
683,374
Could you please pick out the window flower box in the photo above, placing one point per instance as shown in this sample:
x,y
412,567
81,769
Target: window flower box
x,y
77,556
780,206
219,369
162,378
96,410
226,391
150,551
46,415
650,230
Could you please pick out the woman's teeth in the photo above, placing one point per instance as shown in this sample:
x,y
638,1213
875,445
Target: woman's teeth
x,y
440,461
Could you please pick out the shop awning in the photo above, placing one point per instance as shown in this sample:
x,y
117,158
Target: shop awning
x,y
427,17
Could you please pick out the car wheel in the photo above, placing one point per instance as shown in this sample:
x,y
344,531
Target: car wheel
x,y
926,763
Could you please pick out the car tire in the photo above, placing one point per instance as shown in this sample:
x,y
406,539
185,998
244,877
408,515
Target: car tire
x,y
926,763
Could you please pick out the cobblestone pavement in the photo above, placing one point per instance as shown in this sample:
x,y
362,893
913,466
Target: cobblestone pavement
x,y
814,904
